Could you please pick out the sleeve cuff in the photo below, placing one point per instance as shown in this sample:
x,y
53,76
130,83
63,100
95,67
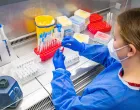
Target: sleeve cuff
x,y
60,72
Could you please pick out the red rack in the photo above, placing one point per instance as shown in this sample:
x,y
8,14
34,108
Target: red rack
x,y
95,18
102,26
49,52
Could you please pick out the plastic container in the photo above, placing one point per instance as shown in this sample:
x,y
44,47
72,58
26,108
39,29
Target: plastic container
x,y
78,24
68,32
81,37
29,18
102,38
95,18
99,26
44,23
83,14
50,51
65,22
72,60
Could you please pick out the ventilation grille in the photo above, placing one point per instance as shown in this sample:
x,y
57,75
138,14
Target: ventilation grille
x,y
45,104
84,80
23,40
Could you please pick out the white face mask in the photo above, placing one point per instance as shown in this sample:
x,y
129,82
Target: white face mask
x,y
112,51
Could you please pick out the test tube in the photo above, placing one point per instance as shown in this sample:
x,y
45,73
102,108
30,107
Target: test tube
x,y
111,17
108,19
49,40
41,45
44,43
61,48
38,44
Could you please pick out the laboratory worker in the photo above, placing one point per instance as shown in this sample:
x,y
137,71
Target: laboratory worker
x,y
117,87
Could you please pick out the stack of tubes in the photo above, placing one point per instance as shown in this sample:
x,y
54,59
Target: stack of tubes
x,y
47,45
109,18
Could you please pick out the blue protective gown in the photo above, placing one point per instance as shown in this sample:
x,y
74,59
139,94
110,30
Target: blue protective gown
x,y
106,92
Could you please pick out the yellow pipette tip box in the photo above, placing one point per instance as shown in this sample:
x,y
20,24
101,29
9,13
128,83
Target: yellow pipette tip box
x,y
65,22
81,37
82,14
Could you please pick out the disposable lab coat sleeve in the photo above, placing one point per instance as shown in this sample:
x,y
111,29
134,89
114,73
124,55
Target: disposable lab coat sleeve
x,y
97,53
64,96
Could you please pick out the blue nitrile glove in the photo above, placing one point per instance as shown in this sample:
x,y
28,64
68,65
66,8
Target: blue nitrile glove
x,y
58,60
72,43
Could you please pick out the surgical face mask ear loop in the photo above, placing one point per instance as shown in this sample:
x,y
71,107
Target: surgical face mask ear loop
x,y
113,52
117,55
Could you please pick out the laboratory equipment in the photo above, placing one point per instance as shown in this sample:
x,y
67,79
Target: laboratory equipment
x,y
81,37
102,26
71,61
4,56
4,48
65,22
47,49
95,18
78,24
61,48
59,32
109,18
3,38
44,23
10,92
27,68
48,41
83,14
68,32
101,37
97,23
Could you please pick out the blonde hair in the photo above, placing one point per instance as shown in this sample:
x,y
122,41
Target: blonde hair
x,y
129,22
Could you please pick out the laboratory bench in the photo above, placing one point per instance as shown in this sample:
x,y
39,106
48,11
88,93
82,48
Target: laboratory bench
x,y
37,92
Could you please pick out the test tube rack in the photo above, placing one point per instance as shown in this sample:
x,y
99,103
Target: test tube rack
x,y
102,26
95,18
48,52
97,24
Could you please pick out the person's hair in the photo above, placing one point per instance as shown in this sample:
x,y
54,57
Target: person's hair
x,y
129,22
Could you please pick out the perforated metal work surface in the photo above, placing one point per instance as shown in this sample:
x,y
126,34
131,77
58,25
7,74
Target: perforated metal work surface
x,y
45,104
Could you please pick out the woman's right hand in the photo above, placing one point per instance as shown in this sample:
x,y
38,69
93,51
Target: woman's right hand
x,y
72,43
